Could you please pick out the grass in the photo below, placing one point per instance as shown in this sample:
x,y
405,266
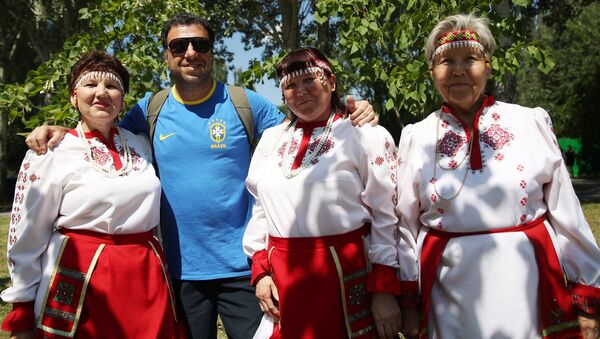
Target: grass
x,y
591,211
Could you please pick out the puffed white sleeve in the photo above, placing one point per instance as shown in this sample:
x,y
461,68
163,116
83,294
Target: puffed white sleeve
x,y
38,195
377,170
408,209
256,235
580,253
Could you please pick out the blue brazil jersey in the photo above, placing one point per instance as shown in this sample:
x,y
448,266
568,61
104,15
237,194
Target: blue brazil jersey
x,y
203,155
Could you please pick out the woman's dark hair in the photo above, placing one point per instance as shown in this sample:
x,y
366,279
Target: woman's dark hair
x,y
98,61
186,19
307,57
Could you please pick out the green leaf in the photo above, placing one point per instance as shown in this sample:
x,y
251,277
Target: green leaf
x,y
522,3
389,104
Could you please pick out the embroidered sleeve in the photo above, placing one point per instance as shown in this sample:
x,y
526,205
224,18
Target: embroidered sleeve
x,y
377,169
408,206
586,298
580,253
35,208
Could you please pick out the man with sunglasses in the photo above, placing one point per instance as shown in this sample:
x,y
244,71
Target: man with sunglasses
x,y
202,155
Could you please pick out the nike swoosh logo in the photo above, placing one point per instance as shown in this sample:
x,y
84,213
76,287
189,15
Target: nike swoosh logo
x,y
163,137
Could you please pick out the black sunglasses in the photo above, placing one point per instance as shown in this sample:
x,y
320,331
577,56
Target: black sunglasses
x,y
180,45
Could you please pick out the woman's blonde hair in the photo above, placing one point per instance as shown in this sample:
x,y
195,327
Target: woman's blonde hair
x,y
461,22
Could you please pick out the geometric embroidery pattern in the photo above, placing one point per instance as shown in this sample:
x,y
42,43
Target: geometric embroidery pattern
x,y
357,294
450,144
496,137
64,293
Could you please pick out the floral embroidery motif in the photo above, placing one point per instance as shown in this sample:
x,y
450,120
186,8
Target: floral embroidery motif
x,y
327,146
523,201
520,168
496,116
523,218
445,123
496,137
64,293
452,164
439,225
99,156
378,161
432,180
440,210
499,156
451,143
433,197
523,184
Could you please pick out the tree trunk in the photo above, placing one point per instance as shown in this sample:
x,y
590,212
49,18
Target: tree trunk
x,y
506,91
3,156
323,37
290,25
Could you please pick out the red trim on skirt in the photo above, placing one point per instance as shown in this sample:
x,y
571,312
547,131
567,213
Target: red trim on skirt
x,y
558,318
322,286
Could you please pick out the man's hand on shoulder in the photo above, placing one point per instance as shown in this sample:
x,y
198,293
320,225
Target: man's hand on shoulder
x,y
361,112
45,137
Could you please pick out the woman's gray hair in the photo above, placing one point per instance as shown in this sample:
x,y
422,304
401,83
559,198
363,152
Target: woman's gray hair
x,y
460,22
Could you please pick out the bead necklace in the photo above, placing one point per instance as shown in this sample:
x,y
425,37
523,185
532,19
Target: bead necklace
x,y
308,159
438,159
111,173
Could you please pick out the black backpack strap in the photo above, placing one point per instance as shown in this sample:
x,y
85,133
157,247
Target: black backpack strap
x,y
156,102
244,111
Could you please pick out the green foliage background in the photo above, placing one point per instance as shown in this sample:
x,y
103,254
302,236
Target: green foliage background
x,y
376,49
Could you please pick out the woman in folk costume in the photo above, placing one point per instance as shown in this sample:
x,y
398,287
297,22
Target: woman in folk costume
x,y
322,188
82,257
498,227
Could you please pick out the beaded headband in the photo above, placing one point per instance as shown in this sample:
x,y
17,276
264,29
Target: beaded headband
x,y
457,39
98,75
321,66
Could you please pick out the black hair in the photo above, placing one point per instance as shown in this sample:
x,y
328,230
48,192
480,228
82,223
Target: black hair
x,y
186,19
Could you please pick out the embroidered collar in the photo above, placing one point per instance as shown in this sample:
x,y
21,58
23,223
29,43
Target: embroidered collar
x,y
476,160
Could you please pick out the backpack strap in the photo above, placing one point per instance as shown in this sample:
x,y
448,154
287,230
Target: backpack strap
x,y
156,102
244,111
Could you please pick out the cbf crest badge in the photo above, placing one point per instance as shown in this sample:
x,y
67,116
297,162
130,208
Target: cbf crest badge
x,y
218,133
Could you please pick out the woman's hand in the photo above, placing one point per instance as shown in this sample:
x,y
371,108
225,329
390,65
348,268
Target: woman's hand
x,y
268,297
44,137
590,326
386,313
22,335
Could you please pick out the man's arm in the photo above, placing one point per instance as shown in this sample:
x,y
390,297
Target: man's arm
x,y
361,112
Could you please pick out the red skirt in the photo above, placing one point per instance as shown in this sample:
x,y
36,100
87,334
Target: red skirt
x,y
109,286
322,286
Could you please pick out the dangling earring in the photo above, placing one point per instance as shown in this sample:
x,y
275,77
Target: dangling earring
x,y
323,80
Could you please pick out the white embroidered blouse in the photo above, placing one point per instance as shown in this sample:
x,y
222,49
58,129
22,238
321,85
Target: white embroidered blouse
x,y
62,189
351,181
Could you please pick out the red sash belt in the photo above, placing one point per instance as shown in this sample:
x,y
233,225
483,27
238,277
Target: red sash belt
x,y
558,316
77,258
